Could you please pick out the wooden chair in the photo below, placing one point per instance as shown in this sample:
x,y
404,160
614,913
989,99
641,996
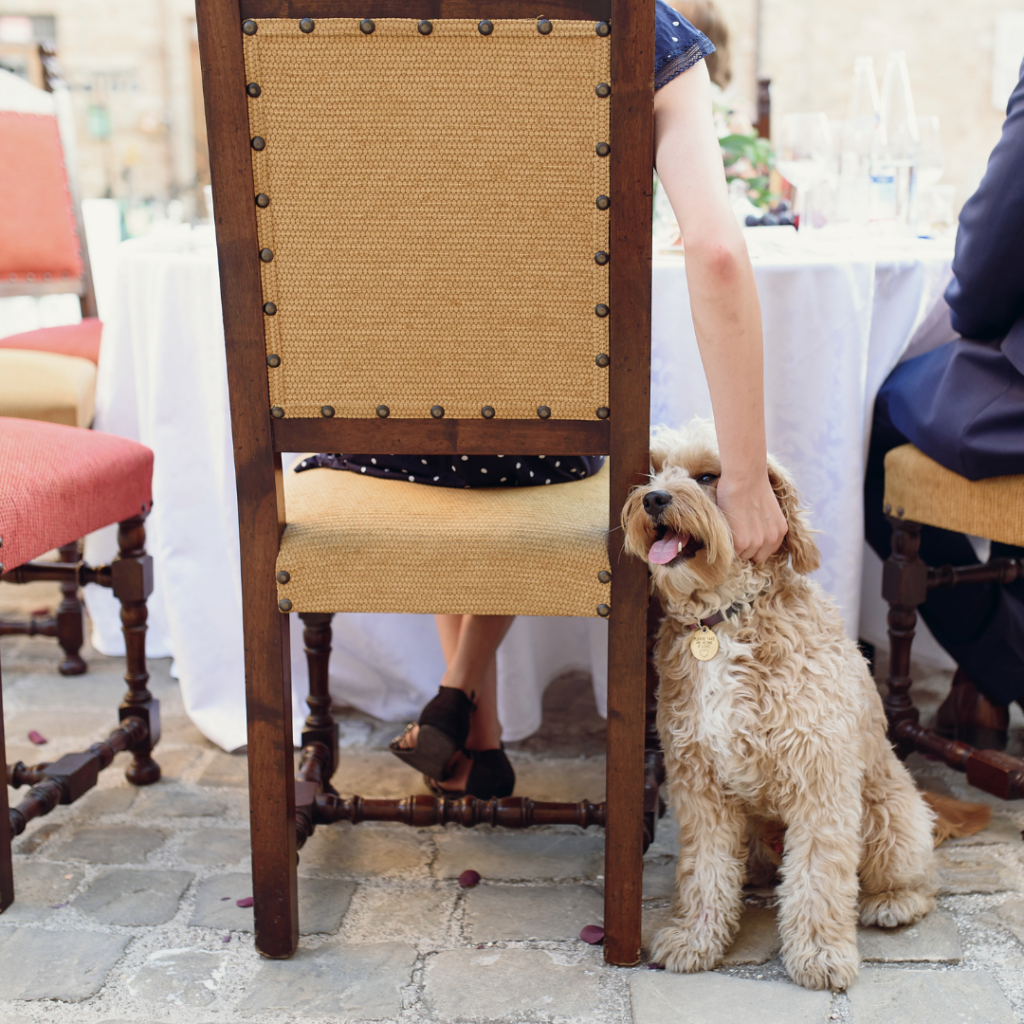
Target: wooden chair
x,y
47,374
415,206
58,482
920,491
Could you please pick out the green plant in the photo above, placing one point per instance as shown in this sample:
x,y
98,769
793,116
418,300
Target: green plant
x,y
750,158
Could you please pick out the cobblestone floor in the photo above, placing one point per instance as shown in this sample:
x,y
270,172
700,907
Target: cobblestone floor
x,y
126,905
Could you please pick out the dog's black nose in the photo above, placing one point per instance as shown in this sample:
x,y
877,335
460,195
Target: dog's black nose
x,y
655,502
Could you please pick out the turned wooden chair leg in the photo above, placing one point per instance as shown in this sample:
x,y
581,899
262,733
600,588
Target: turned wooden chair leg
x,y
70,618
904,587
320,726
132,583
6,866
654,759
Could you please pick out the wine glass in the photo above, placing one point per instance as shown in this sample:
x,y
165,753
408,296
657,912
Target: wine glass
x,y
804,155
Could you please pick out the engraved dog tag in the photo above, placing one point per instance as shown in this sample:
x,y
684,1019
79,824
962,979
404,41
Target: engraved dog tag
x,y
704,644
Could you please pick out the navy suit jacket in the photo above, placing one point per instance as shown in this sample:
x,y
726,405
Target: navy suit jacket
x,y
963,403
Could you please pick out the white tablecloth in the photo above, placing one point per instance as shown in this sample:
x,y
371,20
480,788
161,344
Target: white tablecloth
x,y
837,316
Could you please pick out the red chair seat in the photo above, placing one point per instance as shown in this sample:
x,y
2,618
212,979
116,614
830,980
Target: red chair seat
x,y
59,483
81,339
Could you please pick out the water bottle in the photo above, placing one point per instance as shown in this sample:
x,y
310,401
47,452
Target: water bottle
x,y
895,150
857,142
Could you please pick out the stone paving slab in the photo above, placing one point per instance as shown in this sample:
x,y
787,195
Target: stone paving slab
x,y
509,984
660,997
928,997
216,846
381,913
178,977
361,851
111,800
114,844
501,913
757,940
338,981
1009,915
978,873
375,773
510,855
933,939
38,964
134,898
175,801
659,879
38,888
560,779
322,903
226,770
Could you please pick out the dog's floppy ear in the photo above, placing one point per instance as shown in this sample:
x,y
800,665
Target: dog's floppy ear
x,y
798,542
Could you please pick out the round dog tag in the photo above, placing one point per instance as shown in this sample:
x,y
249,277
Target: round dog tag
x,y
704,644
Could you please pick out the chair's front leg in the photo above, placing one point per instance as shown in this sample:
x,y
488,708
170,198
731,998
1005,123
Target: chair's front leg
x,y
132,583
6,867
904,587
319,726
70,634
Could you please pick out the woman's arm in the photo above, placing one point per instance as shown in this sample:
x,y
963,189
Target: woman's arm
x,y
726,311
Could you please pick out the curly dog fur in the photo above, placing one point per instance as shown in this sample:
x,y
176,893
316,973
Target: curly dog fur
x,y
783,725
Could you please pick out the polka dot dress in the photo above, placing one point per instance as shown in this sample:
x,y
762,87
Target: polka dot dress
x,y
463,470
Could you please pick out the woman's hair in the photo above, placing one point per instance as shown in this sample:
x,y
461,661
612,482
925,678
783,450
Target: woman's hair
x,y
704,16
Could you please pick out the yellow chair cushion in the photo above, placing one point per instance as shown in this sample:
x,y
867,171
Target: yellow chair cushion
x,y
360,543
47,386
919,489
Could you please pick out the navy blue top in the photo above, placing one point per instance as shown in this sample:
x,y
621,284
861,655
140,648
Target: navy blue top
x,y
677,45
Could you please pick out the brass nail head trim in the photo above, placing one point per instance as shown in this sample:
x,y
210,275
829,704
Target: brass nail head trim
x,y
604,412
263,200
544,27
424,28
249,27
253,89
603,28
602,149
602,259
273,360
307,25
383,412
437,412
603,202
283,577
602,309
366,26
604,611
327,411
604,576
603,90
487,412
266,255
543,412
277,412
284,604
270,308
602,360
485,27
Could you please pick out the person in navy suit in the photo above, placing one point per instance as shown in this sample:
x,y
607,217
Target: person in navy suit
x,y
963,405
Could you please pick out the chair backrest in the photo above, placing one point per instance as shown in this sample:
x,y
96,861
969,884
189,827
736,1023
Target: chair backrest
x,y
42,248
415,248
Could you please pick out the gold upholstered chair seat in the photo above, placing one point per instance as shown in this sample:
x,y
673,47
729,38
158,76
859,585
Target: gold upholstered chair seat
x,y
920,490
47,386
362,543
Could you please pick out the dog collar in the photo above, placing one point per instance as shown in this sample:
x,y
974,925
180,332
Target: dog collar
x,y
714,620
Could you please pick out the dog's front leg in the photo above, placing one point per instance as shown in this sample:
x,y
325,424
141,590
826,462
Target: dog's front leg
x,y
709,879
818,894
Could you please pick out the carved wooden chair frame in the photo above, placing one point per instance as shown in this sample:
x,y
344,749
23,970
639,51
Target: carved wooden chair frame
x,y
283,810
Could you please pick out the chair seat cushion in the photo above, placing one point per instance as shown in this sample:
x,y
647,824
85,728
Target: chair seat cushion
x,y
59,483
81,339
47,386
358,543
919,489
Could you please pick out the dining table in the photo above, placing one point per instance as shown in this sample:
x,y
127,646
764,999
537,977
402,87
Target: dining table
x,y
839,312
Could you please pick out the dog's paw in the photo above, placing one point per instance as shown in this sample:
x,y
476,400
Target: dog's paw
x,y
824,967
684,950
896,907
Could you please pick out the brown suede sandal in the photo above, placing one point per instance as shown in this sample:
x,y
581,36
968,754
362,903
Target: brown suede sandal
x,y
443,728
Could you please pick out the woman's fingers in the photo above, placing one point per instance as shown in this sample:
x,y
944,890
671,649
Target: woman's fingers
x,y
757,523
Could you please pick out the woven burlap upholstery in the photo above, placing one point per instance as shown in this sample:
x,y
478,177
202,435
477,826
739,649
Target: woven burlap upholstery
x,y
919,489
47,386
360,543
432,216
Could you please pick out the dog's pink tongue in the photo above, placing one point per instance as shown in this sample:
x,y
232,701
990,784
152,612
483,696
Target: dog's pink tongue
x,y
664,550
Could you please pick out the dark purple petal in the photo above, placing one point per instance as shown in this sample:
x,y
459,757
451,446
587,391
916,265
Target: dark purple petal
x,y
592,933
37,738
226,938
57,906
469,878
223,898
247,902
655,967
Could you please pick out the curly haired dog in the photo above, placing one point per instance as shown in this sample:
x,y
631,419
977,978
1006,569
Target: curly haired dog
x,y
783,724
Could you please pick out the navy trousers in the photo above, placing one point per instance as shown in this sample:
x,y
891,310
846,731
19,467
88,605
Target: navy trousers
x,y
980,625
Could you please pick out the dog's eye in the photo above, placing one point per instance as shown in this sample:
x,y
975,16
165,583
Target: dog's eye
x,y
707,478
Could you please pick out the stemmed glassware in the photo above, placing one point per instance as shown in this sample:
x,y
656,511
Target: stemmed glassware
x,y
804,151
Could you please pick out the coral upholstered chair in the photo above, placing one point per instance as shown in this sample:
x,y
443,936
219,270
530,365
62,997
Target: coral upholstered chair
x,y
47,374
434,237
58,483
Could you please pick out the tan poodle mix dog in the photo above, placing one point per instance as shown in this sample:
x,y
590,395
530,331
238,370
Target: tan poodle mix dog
x,y
782,724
